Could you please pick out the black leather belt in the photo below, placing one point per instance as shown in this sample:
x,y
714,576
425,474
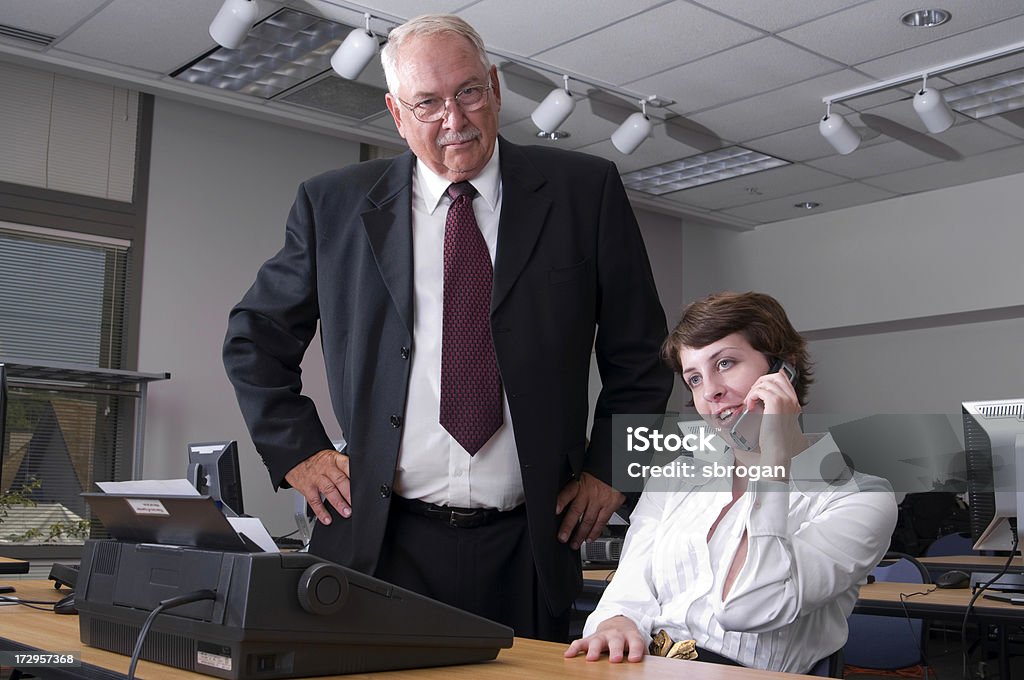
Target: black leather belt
x,y
461,518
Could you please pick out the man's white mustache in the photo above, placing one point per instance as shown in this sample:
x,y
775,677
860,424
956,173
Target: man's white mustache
x,y
466,135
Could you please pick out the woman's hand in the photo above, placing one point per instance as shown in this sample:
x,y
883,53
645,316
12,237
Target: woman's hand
x,y
780,436
618,636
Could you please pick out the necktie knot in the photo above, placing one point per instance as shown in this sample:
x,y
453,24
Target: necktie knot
x,y
460,189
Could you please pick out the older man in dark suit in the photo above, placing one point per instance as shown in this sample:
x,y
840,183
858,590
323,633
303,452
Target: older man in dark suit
x,y
458,289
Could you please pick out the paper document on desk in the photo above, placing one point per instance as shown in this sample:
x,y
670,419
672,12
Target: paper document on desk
x,y
250,527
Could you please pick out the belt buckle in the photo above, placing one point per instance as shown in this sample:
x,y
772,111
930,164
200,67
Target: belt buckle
x,y
454,515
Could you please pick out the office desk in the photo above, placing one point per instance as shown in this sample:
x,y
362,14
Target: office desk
x,y
24,629
971,563
883,598
9,565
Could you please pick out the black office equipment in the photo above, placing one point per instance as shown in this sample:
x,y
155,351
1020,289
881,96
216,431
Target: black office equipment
x,y
994,441
276,615
168,520
213,470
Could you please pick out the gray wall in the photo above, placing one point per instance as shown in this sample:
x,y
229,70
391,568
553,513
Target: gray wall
x,y
913,304
220,189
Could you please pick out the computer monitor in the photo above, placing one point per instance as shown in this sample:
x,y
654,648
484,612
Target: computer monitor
x,y
213,470
3,418
994,442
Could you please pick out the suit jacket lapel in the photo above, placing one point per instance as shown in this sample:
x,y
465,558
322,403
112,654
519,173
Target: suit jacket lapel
x,y
523,212
388,226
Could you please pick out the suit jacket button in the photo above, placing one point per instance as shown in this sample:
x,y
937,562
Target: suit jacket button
x,y
405,352
396,421
385,491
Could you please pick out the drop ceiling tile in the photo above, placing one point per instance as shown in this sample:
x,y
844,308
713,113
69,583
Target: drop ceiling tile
x,y
966,44
583,130
830,198
799,144
783,109
666,143
864,32
751,69
966,137
522,33
1011,123
52,17
996,163
758,186
776,15
153,35
875,160
407,9
666,36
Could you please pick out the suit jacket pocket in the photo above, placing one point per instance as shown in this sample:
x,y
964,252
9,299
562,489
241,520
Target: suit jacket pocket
x,y
560,275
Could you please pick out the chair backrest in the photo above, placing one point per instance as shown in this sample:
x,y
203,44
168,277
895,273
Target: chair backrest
x,y
829,667
888,642
958,543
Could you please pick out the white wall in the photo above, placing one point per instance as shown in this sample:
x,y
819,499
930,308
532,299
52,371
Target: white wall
x,y
220,189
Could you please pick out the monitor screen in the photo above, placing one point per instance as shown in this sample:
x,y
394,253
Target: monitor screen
x,y
213,470
994,442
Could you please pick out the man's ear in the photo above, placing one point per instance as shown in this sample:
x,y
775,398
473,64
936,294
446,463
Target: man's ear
x,y
395,107
495,87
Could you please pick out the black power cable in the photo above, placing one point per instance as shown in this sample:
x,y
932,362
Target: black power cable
x,y
169,603
982,589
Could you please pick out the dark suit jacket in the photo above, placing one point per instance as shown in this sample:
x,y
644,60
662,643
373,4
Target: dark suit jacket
x,y
570,261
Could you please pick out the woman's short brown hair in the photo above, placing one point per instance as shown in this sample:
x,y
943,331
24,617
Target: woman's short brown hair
x,y
757,316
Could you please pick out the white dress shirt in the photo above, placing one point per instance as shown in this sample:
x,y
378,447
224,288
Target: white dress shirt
x,y
432,466
809,548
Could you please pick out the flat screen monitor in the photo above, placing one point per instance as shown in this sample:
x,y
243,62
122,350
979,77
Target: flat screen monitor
x,y
213,470
994,443
3,417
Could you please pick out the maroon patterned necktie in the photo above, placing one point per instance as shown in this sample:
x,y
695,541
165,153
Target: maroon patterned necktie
x,y
470,383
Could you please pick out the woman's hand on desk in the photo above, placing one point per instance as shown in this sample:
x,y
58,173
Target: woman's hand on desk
x,y
618,636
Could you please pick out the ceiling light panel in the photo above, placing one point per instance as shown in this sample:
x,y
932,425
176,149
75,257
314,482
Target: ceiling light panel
x,y
705,168
288,48
988,96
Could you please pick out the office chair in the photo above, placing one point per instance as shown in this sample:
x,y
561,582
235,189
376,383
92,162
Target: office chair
x,y
889,642
831,666
957,543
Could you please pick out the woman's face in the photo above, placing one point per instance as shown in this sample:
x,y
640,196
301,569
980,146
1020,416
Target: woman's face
x,y
719,377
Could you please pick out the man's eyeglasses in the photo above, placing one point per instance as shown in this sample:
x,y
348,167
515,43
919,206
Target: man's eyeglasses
x,y
431,110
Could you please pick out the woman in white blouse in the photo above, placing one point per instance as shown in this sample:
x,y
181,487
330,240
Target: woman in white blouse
x,y
761,572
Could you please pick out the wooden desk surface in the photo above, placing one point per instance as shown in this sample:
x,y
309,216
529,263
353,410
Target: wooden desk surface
x,y
884,598
526,660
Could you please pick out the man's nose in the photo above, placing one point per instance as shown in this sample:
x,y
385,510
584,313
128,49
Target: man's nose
x,y
454,118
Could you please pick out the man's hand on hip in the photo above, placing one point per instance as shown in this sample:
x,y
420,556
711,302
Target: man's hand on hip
x,y
591,503
324,475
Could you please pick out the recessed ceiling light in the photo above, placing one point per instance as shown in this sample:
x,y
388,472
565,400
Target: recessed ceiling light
x,y
705,168
807,205
925,18
553,136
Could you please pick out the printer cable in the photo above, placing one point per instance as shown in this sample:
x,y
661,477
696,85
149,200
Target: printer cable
x,y
169,603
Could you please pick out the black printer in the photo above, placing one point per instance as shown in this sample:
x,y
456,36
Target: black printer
x,y
275,615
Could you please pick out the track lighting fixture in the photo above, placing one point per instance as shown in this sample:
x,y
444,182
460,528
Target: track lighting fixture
x,y
838,132
555,108
633,131
233,22
931,105
932,109
355,52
